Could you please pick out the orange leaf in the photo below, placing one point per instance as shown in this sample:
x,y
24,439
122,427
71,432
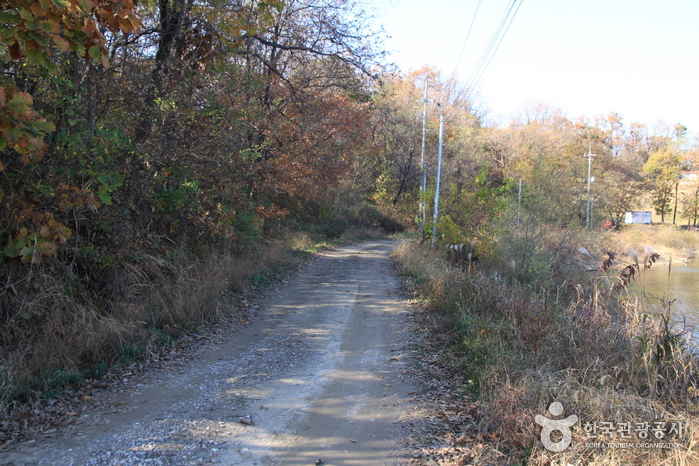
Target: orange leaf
x,y
61,42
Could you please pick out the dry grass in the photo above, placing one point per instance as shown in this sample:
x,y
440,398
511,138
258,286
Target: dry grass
x,y
56,333
63,325
666,239
516,350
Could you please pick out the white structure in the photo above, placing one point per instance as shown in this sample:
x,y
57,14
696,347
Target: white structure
x,y
638,216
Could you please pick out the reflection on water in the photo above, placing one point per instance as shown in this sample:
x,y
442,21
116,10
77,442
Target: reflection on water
x,y
679,282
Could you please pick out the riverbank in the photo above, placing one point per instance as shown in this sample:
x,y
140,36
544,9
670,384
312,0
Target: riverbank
x,y
504,357
674,244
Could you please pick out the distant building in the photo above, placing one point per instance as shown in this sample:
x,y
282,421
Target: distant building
x,y
638,216
689,177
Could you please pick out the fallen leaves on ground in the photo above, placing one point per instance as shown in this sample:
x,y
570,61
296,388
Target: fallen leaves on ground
x,y
446,427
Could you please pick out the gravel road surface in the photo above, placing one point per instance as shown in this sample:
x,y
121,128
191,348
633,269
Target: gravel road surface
x,y
316,377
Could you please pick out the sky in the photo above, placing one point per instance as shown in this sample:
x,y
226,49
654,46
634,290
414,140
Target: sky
x,y
637,58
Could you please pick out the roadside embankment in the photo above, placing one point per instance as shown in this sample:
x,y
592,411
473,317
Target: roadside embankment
x,y
508,351
71,326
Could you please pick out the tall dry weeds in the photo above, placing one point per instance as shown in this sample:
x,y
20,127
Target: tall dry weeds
x,y
55,330
602,355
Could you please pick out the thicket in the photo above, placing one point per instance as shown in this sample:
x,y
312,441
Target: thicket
x,y
155,157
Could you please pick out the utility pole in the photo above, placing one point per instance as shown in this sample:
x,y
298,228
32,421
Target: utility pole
x,y
519,200
439,176
588,217
423,165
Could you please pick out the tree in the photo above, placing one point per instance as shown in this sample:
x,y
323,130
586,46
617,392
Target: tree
x,y
664,170
618,195
34,33
37,39
690,206
397,137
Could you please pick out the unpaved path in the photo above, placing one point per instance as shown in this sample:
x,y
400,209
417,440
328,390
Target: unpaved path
x,y
317,376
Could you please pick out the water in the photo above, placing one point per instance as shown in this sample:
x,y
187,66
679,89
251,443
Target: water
x,y
681,283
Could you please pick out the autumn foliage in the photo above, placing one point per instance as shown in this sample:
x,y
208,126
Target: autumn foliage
x,y
135,136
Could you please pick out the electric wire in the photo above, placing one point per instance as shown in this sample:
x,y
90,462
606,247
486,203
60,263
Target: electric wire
x,y
455,27
468,34
478,79
484,58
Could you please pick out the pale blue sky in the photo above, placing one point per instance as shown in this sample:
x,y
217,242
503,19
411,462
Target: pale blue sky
x,y
638,58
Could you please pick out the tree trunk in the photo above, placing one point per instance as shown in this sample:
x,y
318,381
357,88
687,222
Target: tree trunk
x,y
171,19
674,215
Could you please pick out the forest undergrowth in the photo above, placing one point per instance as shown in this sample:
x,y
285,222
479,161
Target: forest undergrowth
x,y
507,351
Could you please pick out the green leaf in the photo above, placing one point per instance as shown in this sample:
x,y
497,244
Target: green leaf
x,y
30,254
7,32
41,40
104,196
26,14
95,52
9,18
36,57
13,249
21,102
44,126
50,27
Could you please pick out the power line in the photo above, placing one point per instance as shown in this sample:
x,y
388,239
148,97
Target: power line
x,y
468,34
493,44
490,47
498,45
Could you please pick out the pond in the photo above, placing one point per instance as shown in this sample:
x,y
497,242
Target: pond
x,y
680,282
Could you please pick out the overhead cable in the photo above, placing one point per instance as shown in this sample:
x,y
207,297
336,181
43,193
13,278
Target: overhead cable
x,y
468,34
493,45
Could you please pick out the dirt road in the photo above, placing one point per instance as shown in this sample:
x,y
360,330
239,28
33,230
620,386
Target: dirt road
x,y
315,378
